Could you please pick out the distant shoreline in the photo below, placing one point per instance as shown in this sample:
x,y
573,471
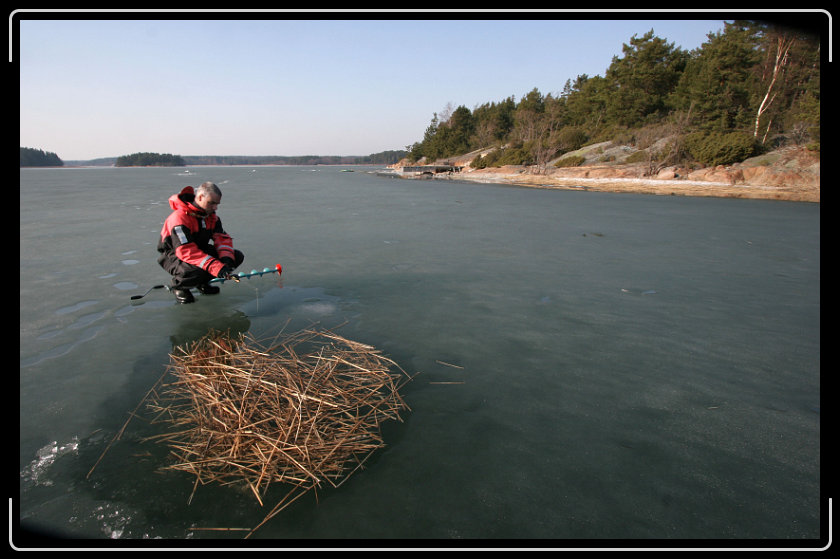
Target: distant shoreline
x,y
557,181
91,166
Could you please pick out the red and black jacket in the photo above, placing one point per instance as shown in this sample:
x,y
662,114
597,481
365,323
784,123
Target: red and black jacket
x,y
189,233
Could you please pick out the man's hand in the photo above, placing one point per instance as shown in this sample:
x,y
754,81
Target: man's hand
x,y
227,273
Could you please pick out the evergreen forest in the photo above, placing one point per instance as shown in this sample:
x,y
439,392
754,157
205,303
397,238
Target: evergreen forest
x,y
31,157
146,159
750,87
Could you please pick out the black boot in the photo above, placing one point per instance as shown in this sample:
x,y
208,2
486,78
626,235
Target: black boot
x,y
208,289
183,296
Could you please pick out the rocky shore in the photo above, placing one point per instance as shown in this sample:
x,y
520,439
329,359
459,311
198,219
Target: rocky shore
x,y
791,174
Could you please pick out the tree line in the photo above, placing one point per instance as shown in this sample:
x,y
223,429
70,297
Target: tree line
x,y
381,158
148,159
749,87
31,157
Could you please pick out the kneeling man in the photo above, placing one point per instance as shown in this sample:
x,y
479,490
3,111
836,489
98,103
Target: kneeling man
x,y
194,247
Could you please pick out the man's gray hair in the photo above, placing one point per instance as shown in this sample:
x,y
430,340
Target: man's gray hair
x,y
208,188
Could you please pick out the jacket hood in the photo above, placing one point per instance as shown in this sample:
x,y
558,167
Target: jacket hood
x,y
183,201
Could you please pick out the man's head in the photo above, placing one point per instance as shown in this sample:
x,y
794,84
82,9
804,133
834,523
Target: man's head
x,y
207,197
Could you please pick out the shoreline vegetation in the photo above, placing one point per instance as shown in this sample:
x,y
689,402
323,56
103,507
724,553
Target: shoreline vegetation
x,y
738,116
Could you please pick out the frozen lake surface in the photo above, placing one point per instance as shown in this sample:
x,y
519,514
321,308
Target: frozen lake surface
x,y
626,366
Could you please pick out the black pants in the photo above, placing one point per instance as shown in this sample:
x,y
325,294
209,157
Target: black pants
x,y
186,275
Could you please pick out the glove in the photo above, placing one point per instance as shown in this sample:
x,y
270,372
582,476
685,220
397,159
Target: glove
x,y
226,273
228,261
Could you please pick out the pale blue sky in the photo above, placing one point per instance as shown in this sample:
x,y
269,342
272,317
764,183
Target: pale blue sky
x,y
103,88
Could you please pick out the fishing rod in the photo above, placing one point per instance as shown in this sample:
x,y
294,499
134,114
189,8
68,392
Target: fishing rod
x,y
234,277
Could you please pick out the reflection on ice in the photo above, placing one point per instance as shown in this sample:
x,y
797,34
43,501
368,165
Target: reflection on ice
x,y
296,302
63,349
76,307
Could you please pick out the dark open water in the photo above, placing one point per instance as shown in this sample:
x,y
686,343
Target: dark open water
x,y
632,367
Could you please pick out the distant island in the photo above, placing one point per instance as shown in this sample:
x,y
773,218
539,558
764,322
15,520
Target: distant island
x,y
30,157
146,159
37,158
381,158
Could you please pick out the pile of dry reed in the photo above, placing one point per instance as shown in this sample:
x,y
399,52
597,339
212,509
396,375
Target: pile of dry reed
x,y
305,410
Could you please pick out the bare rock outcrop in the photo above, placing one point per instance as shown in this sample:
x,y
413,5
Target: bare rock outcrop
x,y
788,173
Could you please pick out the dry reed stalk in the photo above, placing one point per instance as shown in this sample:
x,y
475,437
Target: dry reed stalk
x,y
304,411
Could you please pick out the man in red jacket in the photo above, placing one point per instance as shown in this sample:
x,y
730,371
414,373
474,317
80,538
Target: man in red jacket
x,y
194,247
